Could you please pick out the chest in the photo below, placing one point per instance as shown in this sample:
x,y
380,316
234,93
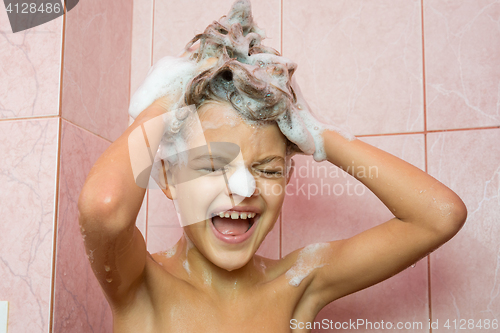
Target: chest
x,y
261,310
174,305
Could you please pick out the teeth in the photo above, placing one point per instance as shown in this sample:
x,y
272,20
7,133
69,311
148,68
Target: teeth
x,y
236,215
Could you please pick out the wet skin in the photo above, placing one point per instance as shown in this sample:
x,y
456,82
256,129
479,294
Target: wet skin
x,y
212,286
227,287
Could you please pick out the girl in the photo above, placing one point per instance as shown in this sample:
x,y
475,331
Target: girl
x,y
223,180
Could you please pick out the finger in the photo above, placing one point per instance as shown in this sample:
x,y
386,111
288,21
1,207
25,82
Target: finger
x,y
293,127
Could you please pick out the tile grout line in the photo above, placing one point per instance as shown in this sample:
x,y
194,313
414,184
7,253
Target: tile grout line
x,y
31,118
58,170
152,31
429,131
86,130
147,217
131,55
357,135
55,226
151,64
57,117
424,96
281,28
280,243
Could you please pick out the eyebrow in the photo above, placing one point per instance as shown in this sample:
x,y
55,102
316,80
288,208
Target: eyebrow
x,y
209,157
266,160
270,159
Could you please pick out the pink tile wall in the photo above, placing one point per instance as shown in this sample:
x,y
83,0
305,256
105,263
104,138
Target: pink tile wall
x,y
45,274
96,73
142,42
462,43
400,74
95,97
29,150
177,22
30,69
360,62
465,272
79,304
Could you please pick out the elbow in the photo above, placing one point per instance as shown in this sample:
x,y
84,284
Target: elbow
x,y
453,215
99,212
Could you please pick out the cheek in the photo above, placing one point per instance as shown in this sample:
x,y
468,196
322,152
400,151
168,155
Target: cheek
x,y
273,193
194,197
202,188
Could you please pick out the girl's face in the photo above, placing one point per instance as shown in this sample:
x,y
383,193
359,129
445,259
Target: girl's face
x,y
235,213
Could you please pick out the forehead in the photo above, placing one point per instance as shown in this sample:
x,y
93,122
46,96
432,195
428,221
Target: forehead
x,y
222,123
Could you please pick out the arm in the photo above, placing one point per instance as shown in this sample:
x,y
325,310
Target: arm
x,y
108,206
110,199
427,214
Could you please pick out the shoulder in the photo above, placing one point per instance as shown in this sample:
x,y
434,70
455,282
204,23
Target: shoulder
x,y
298,267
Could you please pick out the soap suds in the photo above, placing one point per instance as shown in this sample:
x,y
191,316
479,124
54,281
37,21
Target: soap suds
x,y
307,261
185,264
242,182
189,243
228,62
189,246
90,256
207,278
263,265
170,252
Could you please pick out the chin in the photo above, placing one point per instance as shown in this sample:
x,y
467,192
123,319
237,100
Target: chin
x,y
230,261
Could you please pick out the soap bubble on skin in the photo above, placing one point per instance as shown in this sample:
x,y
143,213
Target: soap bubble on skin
x,y
207,278
185,264
263,265
242,182
90,256
307,261
189,246
170,252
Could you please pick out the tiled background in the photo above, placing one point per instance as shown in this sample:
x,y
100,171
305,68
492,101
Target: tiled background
x,y
64,92
418,78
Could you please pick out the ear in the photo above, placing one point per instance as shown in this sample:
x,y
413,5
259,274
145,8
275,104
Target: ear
x,y
290,173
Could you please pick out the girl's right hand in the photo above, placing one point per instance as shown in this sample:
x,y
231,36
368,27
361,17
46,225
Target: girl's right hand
x,y
169,78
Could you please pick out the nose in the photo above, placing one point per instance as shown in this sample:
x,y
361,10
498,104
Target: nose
x,y
242,182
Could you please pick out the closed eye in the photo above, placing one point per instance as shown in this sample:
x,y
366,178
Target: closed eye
x,y
270,173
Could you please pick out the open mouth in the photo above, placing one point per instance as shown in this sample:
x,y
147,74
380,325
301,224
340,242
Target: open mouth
x,y
232,223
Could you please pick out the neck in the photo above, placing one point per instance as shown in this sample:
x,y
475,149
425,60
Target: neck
x,y
202,273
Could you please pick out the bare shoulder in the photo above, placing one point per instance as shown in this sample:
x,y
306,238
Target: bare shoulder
x,y
161,270
297,267
296,273
152,292
301,264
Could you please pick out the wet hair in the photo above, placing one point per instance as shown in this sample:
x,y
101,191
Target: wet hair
x,y
253,78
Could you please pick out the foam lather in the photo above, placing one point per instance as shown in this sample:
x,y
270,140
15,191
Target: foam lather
x,y
229,62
